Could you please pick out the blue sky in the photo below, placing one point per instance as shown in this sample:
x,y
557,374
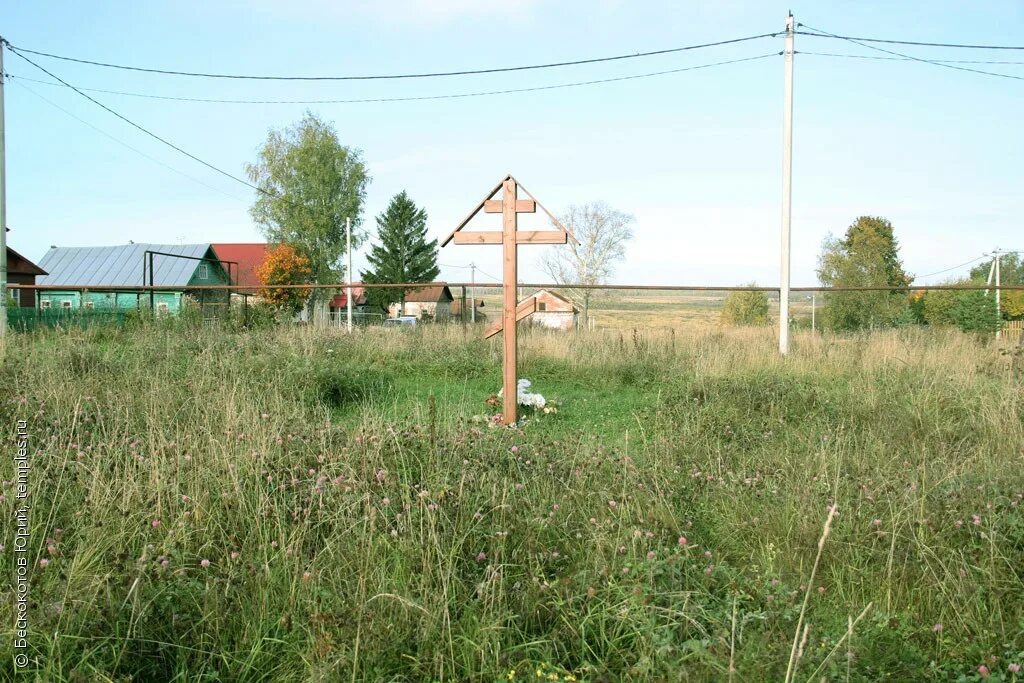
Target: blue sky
x,y
695,156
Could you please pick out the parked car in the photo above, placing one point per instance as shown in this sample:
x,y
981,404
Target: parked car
x,y
401,321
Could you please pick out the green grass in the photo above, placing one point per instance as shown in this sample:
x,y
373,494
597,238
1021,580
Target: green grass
x,y
363,522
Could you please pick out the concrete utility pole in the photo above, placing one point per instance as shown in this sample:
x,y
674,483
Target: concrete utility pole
x,y
3,216
993,272
472,293
814,309
348,290
787,189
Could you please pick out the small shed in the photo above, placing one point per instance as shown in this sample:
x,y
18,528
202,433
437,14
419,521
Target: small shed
x,y
554,311
21,271
431,301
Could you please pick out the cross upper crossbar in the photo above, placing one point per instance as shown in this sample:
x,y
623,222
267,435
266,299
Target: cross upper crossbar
x,y
522,237
522,206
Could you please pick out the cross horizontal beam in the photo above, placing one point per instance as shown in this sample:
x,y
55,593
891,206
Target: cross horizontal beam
x,y
525,309
522,237
522,206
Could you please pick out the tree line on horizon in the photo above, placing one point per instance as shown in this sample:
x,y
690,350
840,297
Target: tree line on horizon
x,y
867,255
310,183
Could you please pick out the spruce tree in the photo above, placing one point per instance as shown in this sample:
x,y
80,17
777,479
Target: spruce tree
x,y
402,252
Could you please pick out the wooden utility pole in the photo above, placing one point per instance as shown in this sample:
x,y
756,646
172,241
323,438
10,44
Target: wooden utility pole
x,y
509,206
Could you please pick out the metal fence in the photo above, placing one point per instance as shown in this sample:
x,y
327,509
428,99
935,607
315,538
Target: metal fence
x,y
340,318
30,319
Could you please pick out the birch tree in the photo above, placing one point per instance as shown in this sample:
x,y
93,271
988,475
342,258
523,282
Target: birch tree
x,y
310,184
602,233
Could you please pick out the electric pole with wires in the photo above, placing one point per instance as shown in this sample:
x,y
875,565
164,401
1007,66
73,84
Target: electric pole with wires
x,y
995,274
787,188
472,293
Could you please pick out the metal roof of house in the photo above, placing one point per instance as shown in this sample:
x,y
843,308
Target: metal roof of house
x,y
569,306
19,265
120,265
429,294
358,298
248,256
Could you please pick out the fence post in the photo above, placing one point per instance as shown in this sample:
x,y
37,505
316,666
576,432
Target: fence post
x,y
462,307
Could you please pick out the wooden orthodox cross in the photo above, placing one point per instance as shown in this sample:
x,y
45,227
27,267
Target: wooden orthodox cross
x,y
509,206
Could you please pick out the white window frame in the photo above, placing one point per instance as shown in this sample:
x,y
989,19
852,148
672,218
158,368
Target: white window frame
x,y
66,303
162,307
44,303
204,271
90,304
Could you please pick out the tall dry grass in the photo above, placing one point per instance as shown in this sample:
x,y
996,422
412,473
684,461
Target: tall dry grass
x,y
306,505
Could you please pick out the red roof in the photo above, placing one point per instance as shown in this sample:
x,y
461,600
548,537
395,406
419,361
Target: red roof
x,y
248,255
358,298
430,294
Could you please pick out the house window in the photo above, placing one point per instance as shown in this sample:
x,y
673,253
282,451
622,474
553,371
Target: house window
x,y
204,271
45,303
65,304
90,304
542,306
162,308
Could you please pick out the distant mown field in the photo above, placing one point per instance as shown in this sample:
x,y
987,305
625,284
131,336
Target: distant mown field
x,y
656,310
296,505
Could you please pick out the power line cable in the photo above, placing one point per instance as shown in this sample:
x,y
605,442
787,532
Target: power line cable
x,y
126,145
414,98
855,41
146,131
826,34
482,272
907,59
465,72
946,270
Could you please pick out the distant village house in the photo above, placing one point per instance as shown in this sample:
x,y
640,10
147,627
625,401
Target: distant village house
x,y
245,258
106,278
21,271
554,311
432,301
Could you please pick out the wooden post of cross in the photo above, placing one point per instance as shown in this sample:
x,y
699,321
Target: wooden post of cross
x,y
509,206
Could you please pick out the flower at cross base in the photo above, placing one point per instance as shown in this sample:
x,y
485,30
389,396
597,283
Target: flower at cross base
x,y
525,397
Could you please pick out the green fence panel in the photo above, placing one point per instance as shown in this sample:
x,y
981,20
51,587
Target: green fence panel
x,y
29,319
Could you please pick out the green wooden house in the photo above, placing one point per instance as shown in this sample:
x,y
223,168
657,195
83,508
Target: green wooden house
x,y
105,278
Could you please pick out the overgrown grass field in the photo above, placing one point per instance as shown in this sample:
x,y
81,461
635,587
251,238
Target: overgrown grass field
x,y
295,505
